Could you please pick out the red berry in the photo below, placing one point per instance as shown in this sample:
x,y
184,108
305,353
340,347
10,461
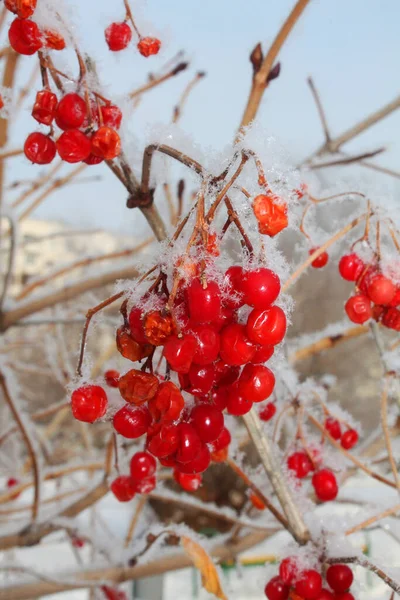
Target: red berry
x,y
351,267
179,352
391,319
263,353
77,542
145,486
158,327
236,348
326,595
204,303
288,570
225,374
380,289
198,464
339,577
45,107
233,282
53,40
222,441
132,422
111,115
113,593
208,344
89,403
325,485
12,482
270,214
395,301
219,397
148,46
22,8
190,483
39,148
167,404
332,426
71,112
165,442
309,585
106,143
267,412
276,589
93,160
266,327
189,443
260,287
73,146
201,379
142,466
256,382
24,36
320,261
129,348
136,325
208,422
111,378
137,387
118,36
123,488
367,274
300,463
358,308
238,404
349,439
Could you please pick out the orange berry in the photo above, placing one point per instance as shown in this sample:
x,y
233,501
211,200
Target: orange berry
x,y
270,214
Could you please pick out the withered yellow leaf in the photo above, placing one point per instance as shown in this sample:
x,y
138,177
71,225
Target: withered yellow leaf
x,y
203,562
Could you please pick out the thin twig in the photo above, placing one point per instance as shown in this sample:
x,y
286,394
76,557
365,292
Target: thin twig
x,y
363,562
350,160
10,265
320,109
386,513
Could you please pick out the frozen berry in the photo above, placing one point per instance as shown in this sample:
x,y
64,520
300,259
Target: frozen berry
x,y
204,301
39,148
24,36
45,106
148,46
332,426
167,404
288,570
142,466
237,404
208,422
266,327
180,351
190,483
198,464
137,387
309,584
111,115
118,36
300,463
358,309
236,347
233,283
351,267
22,8
106,143
260,287
380,289
73,146
270,213
208,344
189,443
267,412
349,439
339,577
325,485
320,261
89,403
276,589
123,488
132,422
256,382
111,378
71,112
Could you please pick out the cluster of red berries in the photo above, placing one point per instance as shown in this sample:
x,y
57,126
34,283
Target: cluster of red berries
x,y
308,584
302,463
377,297
219,364
89,129
119,35
348,439
24,34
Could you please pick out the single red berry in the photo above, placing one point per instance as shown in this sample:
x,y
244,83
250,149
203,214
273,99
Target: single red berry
x,y
201,378
123,488
208,421
106,143
71,112
148,46
158,327
222,441
190,483
145,486
208,344
89,403
111,378
226,316
267,412
137,387
256,382
263,354
73,146
350,267
180,351
22,8
237,404
77,542
225,374
260,287
198,464
53,40
326,595
136,325
93,160
320,261
325,485
112,593
45,107
332,426
349,439
219,397
266,327
236,347
300,463
111,115
142,466
358,309
25,37
129,348
391,319
233,284
380,289
276,589
39,148
118,36
288,570
189,443
309,585
368,273
339,577
132,422
271,214
167,404
164,442
204,303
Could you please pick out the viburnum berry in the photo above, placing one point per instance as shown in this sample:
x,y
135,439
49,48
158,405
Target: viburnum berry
x,y
233,284
326,595
198,464
339,577
22,8
145,486
350,267
204,301
256,382
39,148
368,273
288,570
189,443
118,36
106,143
190,483
164,442
260,287
349,439
45,107
225,374
111,115
148,46
309,584
222,441
53,40
137,387
263,353
380,289
325,485
300,463
266,327
73,146
219,397
142,466
321,260
93,160
130,348
158,326
208,344
267,412
180,351
208,422
111,378
391,319
270,214
358,308
201,378
276,589
123,488
112,593
237,404
132,422
332,426
167,403
71,111
236,348
24,36
89,403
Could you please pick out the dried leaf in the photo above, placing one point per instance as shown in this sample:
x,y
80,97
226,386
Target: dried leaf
x,y
204,562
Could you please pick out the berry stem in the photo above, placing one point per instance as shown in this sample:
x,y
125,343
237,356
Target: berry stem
x,y
129,16
223,192
386,433
135,518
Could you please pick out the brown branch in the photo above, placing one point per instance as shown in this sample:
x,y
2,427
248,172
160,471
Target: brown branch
x,y
40,182
386,433
348,160
327,342
386,513
11,153
320,109
155,82
178,109
10,264
363,562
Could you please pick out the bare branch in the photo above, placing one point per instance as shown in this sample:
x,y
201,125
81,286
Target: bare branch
x,y
320,109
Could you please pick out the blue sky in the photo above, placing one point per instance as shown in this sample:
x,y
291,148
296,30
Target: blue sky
x,y
351,49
